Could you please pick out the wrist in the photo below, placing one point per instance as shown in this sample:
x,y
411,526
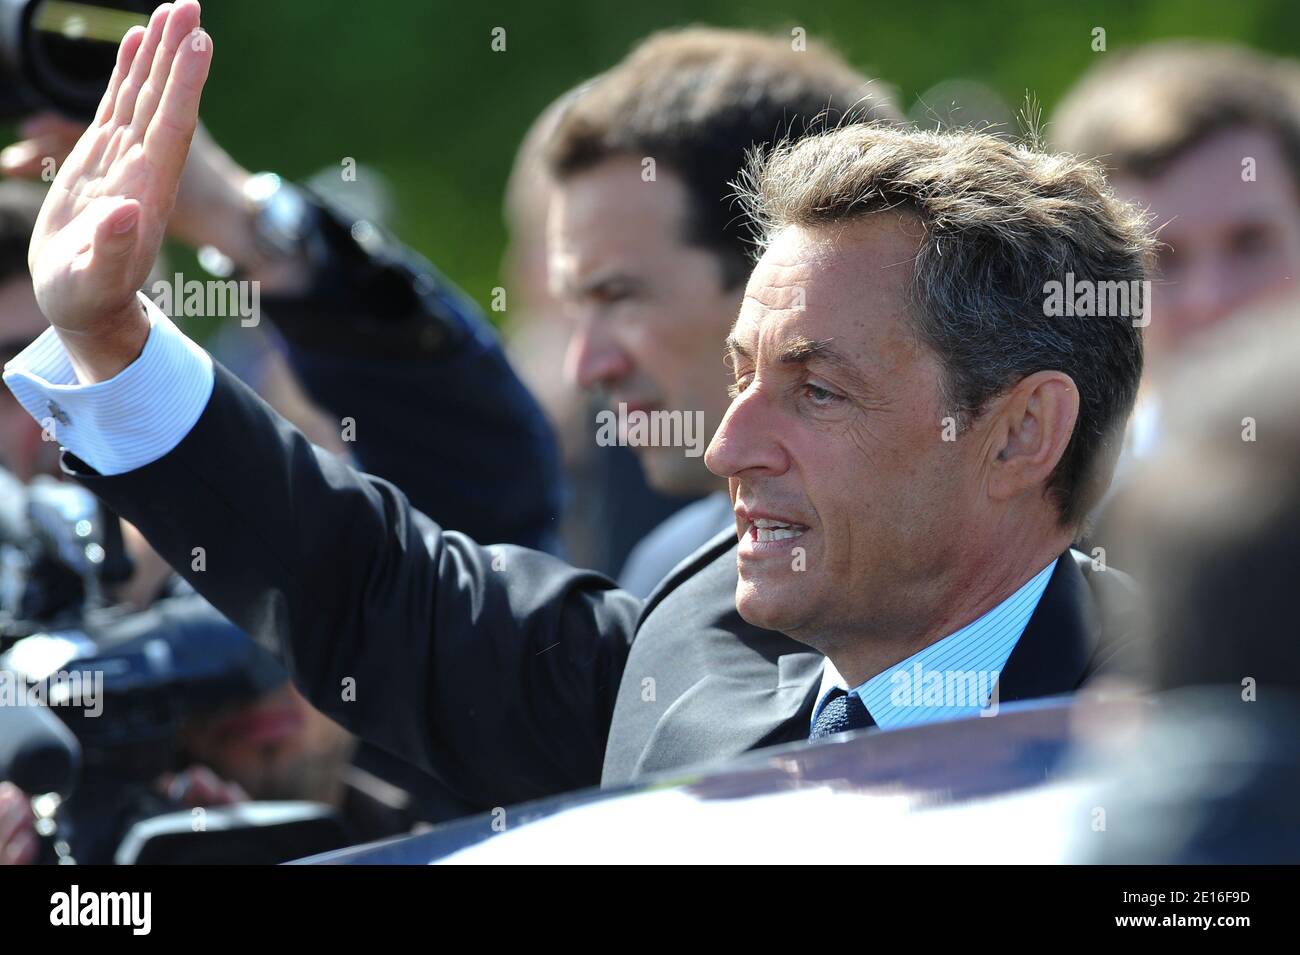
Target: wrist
x,y
104,351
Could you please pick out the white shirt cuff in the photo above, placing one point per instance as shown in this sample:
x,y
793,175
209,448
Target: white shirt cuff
x,y
128,421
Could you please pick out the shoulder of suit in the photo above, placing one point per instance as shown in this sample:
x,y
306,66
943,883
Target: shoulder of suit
x,y
716,547
1117,599
1108,584
675,539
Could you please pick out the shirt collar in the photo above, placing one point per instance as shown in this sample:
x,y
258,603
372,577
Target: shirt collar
x,y
951,678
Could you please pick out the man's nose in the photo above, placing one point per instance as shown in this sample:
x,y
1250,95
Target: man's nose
x,y
1203,297
749,439
594,356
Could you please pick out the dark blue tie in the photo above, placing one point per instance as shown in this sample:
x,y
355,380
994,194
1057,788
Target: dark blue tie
x,y
843,711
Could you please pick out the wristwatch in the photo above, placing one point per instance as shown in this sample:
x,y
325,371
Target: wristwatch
x,y
282,219
282,214
366,294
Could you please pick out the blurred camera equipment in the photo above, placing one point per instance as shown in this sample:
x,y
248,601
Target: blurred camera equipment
x,y
59,54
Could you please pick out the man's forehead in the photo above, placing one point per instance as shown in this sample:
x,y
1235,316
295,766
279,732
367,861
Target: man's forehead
x,y
611,201
822,281
1237,173
606,221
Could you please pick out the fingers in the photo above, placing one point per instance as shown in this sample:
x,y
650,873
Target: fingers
x,y
18,842
141,63
45,124
167,140
14,809
181,22
22,849
45,136
200,786
23,160
125,55
27,159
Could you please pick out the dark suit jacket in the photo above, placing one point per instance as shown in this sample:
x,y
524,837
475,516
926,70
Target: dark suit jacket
x,y
386,340
503,671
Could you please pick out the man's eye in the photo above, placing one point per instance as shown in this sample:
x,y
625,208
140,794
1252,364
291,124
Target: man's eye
x,y
1250,241
739,385
610,293
820,396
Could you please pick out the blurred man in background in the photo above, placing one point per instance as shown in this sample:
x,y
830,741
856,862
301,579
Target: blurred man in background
x,y
1206,137
608,506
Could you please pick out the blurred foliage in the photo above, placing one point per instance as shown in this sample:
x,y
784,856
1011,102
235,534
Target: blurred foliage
x,y
412,89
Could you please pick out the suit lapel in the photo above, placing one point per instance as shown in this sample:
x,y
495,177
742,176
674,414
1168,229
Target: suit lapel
x,y
1053,653
724,715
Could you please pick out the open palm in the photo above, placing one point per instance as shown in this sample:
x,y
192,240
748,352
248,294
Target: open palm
x,y
102,223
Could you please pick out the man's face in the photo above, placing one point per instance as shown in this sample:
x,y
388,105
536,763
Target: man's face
x,y
650,311
836,435
23,450
1230,242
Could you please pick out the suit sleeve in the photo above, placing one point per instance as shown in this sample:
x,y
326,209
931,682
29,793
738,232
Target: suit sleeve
x,y
494,668
451,432
384,339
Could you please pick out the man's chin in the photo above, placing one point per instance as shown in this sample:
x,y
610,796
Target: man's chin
x,y
768,605
667,472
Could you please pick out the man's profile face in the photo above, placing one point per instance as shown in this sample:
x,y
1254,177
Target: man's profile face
x,y
1227,241
649,310
836,433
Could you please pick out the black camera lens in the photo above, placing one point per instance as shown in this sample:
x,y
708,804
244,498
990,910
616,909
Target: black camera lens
x,y
60,54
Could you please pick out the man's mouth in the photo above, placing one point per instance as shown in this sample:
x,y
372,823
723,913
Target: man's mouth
x,y
633,404
765,530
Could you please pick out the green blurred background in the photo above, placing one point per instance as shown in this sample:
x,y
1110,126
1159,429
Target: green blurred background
x,y
413,90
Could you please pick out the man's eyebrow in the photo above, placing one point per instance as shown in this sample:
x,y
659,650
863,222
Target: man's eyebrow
x,y
611,277
797,351
801,350
736,348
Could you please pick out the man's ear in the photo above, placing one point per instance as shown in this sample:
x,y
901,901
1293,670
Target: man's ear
x,y
1031,430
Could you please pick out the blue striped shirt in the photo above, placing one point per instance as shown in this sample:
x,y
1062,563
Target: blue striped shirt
x,y
952,678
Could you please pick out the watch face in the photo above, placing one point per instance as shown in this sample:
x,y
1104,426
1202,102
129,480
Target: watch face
x,y
285,216
282,218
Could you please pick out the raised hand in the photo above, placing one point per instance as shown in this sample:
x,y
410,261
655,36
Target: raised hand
x,y
103,221
210,204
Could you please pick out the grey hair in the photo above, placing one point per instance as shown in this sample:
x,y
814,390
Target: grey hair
x,y
999,222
